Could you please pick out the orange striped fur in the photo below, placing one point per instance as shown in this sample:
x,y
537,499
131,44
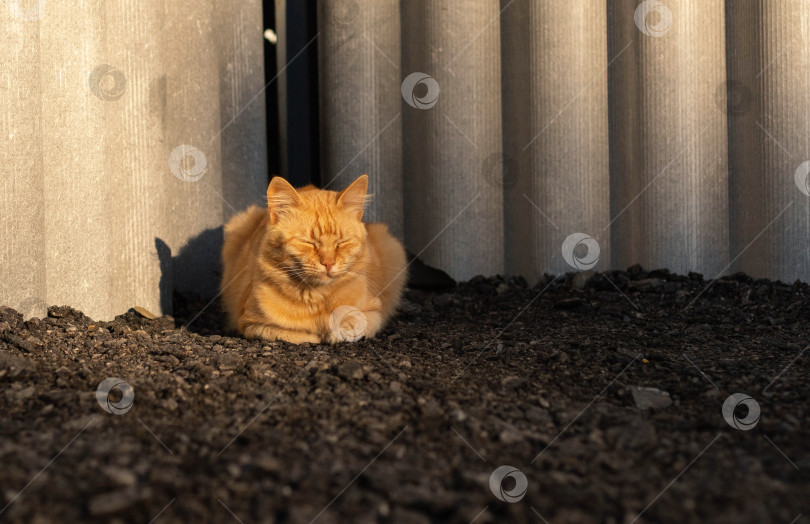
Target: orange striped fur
x,y
292,270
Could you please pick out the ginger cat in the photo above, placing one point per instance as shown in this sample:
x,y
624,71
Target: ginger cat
x,y
307,269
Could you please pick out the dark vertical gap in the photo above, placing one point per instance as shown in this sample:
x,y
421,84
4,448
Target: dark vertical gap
x,y
302,93
271,93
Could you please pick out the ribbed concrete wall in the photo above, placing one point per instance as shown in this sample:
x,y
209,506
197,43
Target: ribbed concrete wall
x,y
360,102
669,174
769,137
555,127
674,134
671,133
452,128
104,108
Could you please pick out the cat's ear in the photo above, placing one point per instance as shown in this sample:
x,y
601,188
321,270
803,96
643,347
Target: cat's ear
x,y
354,197
281,197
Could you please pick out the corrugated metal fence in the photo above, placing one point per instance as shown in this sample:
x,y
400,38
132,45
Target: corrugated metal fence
x,y
117,120
512,136
669,133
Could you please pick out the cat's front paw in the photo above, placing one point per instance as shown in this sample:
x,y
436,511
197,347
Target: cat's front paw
x,y
350,324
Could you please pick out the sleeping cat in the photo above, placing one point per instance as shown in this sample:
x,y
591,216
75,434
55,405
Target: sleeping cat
x,y
307,269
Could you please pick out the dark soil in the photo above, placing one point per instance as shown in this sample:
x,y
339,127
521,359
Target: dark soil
x,y
408,427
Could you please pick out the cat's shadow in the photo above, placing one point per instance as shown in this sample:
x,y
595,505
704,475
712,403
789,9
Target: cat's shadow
x,y
189,280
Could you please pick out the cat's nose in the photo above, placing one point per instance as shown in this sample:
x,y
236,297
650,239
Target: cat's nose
x,y
328,265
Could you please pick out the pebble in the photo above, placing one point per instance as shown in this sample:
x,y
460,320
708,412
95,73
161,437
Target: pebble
x,y
120,476
145,313
513,382
20,343
112,502
510,436
650,398
227,361
351,370
26,393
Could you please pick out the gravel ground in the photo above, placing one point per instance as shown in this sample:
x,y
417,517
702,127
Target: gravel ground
x,y
604,392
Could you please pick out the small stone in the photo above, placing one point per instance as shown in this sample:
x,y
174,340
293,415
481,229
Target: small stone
x,y
267,463
145,313
20,343
26,393
112,502
4,326
396,387
36,341
502,288
650,398
227,362
512,382
351,370
57,312
510,436
120,476
647,284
